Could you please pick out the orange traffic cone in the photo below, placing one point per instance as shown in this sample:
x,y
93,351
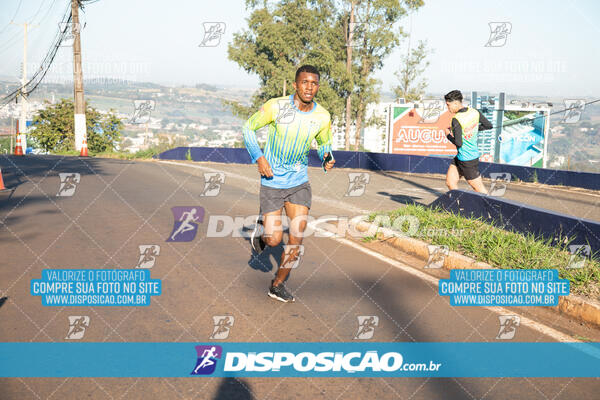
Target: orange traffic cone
x,y
2,187
18,147
84,149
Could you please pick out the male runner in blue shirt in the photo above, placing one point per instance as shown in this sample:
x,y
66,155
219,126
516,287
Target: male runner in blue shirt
x,y
294,121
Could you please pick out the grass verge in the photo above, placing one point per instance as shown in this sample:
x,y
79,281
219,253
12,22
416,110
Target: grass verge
x,y
495,246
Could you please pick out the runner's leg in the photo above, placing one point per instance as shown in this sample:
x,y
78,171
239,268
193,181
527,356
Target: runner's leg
x,y
273,230
477,185
452,177
297,215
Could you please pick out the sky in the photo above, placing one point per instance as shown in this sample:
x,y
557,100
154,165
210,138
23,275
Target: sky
x,y
551,50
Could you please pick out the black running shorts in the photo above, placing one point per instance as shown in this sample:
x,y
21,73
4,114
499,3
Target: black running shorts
x,y
468,169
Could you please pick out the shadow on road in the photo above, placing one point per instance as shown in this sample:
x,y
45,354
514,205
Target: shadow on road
x,y
381,294
234,389
12,221
268,260
403,199
412,182
399,307
34,170
18,170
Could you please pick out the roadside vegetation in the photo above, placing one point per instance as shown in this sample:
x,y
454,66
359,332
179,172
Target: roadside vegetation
x,y
494,245
52,133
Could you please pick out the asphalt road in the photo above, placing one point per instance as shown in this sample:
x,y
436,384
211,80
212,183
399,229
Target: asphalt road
x,y
120,205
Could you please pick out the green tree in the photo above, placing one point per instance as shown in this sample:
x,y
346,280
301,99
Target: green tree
x,y
279,39
54,128
414,64
282,36
375,39
103,131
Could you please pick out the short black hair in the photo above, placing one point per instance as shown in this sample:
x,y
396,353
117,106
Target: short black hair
x,y
453,96
307,68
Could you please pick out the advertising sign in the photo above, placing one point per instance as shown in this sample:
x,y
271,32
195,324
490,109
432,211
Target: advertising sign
x,y
420,130
523,137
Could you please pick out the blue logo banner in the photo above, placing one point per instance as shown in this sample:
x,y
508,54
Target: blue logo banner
x,y
343,359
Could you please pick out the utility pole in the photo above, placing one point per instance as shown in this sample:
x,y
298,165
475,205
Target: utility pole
x,y
498,123
349,44
80,124
24,103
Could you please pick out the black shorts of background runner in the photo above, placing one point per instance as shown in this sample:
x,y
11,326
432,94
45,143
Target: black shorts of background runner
x,y
468,169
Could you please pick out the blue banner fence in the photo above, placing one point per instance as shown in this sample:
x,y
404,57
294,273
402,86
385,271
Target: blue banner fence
x,y
396,162
509,214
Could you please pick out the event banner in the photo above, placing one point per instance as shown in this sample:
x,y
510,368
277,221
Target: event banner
x,y
313,359
420,130
523,138
517,138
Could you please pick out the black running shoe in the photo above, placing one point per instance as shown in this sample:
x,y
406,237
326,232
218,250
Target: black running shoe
x,y
256,240
280,293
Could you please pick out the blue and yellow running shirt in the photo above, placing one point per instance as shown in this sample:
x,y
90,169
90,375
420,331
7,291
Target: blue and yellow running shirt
x,y
466,124
291,133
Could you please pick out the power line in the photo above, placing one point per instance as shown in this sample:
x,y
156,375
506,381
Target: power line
x,y
544,116
13,18
14,39
39,75
38,11
10,42
47,11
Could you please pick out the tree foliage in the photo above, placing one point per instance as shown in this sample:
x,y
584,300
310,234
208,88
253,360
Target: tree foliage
x,y
376,39
283,35
413,65
54,128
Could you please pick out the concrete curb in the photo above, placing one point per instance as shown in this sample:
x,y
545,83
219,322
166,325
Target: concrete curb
x,y
577,307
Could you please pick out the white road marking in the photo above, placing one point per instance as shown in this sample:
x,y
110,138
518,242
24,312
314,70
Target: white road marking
x,y
539,327
543,329
330,202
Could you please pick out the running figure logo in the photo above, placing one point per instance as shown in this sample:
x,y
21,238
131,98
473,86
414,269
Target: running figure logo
x,y
432,109
579,253
292,255
142,109
68,183
500,181
573,110
508,326
499,32
223,324
212,183
77,326
366,326
212,34
185,226
207,359
66,28
358,183
148,255
286,112
437,255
